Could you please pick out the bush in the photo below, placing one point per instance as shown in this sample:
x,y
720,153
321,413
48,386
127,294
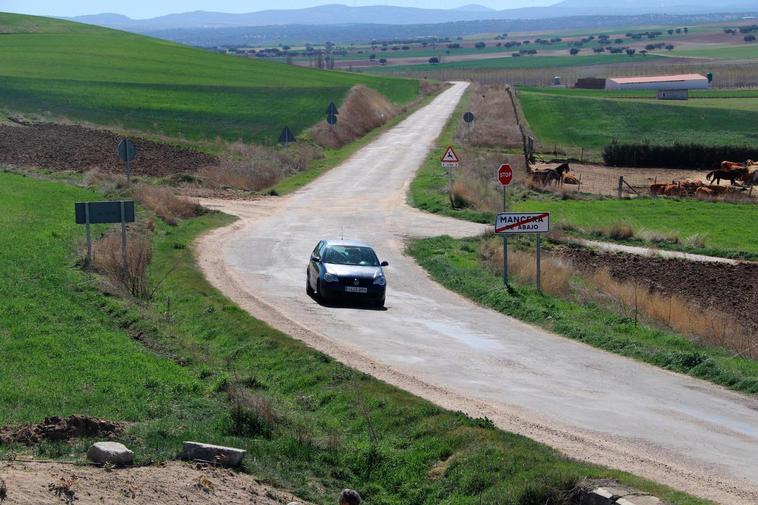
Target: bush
x,y
689,156
107,258
251,414
166,205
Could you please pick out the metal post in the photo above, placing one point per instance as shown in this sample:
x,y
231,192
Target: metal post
x,y
128,172
123,237
450,186
89,236
539,251
505,240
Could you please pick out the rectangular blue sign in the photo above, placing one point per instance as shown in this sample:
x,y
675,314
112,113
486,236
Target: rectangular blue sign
x,y
104,212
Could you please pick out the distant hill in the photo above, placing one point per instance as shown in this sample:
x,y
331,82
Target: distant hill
x,y
118,79
336,14
347,33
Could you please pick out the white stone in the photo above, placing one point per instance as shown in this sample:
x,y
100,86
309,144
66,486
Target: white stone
x,y
110,452
224,456
598,496
638,500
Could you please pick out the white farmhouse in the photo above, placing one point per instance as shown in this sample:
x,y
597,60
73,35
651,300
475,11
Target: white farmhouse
x,y
667,82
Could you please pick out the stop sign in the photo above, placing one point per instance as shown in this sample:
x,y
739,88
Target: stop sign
x,y
505,174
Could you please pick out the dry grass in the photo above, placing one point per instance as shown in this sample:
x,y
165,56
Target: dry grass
x,y
555,275
704,325
166,205
251,414
463,196
619,231
254,167
495,122
363,110
132,275
105,182
657,237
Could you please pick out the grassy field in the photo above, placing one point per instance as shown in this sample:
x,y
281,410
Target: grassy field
x,y
169,367
521,62
744,51
592,121
685,217
61,69
457,264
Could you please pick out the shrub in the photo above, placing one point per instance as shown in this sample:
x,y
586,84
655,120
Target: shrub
x,y
620,231
690,156
251,414
108,259
166,205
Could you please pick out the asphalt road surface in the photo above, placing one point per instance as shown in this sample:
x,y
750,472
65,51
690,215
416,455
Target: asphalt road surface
x,y
590,404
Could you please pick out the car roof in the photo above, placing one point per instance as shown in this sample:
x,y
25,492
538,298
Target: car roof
x,y
346,242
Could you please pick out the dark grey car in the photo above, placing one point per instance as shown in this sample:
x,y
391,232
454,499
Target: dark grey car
x,y
346,269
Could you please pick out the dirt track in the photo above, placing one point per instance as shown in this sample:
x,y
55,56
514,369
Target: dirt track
x,y
590,404
68,147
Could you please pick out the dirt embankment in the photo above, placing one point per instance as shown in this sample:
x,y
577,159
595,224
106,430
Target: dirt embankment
x,y
57,428
731,289
70,147
166,484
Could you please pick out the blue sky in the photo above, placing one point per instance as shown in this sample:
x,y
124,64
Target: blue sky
x,y
152,8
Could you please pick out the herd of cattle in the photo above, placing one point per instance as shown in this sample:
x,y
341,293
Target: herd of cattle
x,y
741,176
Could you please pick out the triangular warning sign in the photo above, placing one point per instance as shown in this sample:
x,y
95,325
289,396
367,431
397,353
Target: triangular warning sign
x,y
450,156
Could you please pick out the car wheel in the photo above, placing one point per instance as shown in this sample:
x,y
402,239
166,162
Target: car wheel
x,y
308,288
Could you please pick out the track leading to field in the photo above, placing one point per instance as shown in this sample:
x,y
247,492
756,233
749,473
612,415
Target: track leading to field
x,y
588,403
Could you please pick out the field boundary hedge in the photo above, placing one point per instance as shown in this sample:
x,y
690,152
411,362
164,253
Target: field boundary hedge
x,y
675,155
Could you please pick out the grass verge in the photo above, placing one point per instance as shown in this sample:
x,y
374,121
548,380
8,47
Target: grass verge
x,y
189,364
456,264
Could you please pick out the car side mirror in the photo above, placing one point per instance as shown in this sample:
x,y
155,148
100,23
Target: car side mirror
x,y
315,257
385,263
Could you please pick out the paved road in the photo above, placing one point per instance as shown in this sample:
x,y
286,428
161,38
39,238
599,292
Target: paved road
x,y
588,403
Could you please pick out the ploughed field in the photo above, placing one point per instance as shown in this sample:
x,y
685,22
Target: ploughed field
x,y
69,147
731,289
83,73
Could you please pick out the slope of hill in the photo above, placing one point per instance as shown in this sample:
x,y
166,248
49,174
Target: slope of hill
x,y
106,77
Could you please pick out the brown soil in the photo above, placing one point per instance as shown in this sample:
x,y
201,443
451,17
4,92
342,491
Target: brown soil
x,y
173,483
56,428
729,288
69,147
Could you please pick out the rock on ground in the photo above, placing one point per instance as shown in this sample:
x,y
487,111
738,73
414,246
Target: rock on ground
x,y
110,452
224,456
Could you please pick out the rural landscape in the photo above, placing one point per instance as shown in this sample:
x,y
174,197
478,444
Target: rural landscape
x,y
380,254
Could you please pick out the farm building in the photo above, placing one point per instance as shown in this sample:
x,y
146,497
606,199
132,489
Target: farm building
x,y
667,82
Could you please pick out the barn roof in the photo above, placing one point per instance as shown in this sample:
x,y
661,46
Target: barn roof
x,y
657,78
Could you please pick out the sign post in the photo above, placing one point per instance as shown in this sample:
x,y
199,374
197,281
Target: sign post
x,y
450,160
127,152
505,177
87,213
511,223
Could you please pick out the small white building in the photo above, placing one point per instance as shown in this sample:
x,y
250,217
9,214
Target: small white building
x,y
666,82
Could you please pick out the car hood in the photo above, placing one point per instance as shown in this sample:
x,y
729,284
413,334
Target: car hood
x,y
353,270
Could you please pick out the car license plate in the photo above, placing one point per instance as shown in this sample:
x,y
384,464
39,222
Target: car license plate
x,y
353,289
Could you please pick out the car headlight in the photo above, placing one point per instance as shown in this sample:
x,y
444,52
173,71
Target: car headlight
x,y
379,281
331,277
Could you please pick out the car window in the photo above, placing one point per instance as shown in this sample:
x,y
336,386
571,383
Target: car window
x,y
350,255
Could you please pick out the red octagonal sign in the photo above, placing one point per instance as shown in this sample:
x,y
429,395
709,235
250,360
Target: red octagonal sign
x,y
505,174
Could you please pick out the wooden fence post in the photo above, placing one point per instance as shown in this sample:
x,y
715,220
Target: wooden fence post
x,y
621,186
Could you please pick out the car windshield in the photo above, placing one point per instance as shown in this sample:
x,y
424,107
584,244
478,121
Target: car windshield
x,y
350,255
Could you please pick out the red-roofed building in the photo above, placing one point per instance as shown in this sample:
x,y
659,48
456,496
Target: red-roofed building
x,y
668,82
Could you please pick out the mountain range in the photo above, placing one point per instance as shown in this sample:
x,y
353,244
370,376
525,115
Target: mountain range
x,y
335,14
